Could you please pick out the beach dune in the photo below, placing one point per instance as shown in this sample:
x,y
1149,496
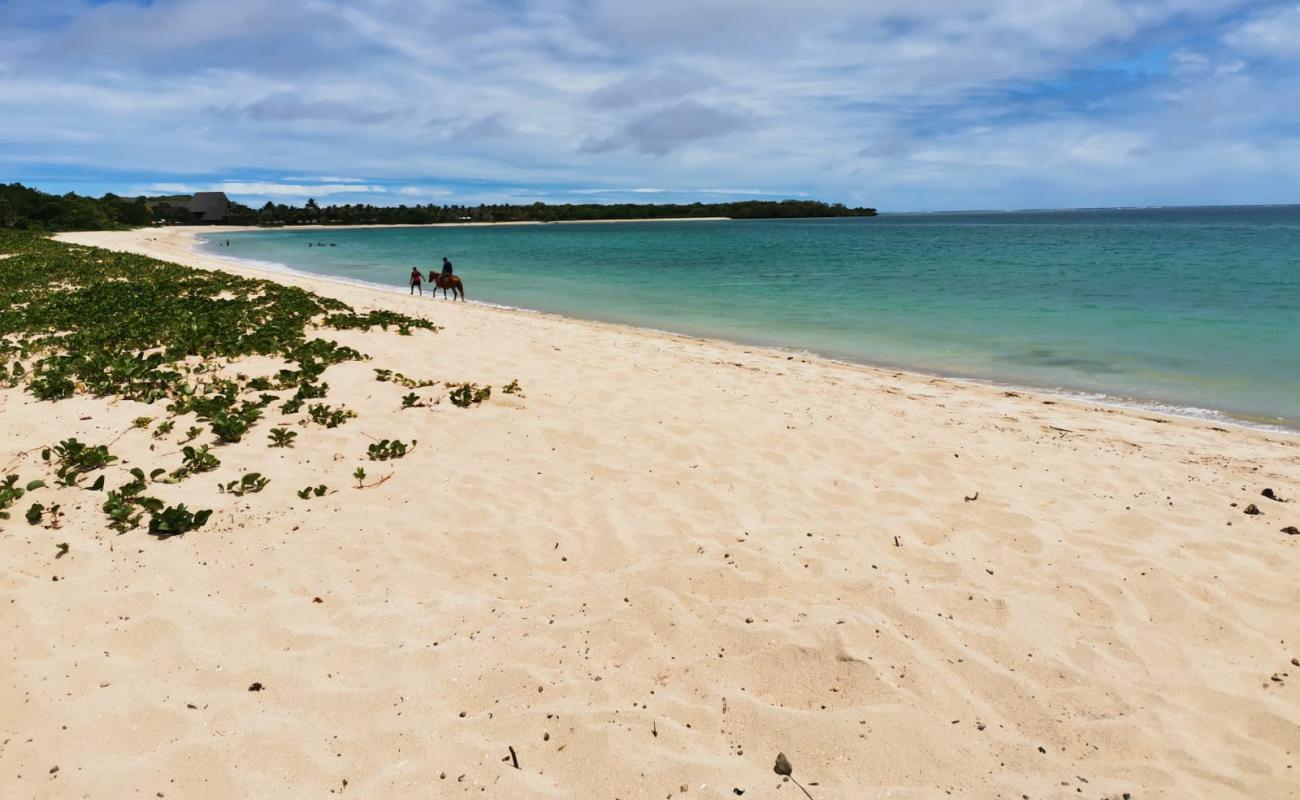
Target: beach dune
x,y
664,562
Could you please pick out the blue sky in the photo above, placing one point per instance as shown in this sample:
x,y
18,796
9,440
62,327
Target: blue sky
x,y
916,105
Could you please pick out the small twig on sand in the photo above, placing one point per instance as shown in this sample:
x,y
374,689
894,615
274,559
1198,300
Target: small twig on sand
x,y
514,759
896,542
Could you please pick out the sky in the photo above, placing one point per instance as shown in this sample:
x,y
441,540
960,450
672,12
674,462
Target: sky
x,y
902,105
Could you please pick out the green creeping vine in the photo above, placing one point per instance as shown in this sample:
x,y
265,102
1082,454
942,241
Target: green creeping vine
x,y
281,437
91,321
322,414
386,450
388,376
196,461
11,492
76,459
78,320
252,483
383,319
36,513
176,520
313,491
465,395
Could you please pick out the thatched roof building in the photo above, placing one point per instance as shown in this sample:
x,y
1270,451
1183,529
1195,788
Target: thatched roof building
x,y
209,206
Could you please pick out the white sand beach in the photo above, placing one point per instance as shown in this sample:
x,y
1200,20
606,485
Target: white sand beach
x,y
666,561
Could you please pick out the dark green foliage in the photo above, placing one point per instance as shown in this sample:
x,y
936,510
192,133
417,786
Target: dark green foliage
x,y
282,437
313,491
75,459
230,426
163,429
276,215
176,520
385,449
330,417
154,475
118,324
467,394
124,506
251,483
11,492
351,320
360,474
193,433
24,208
388,376
21,207
196,461
36,513
412,400
512,388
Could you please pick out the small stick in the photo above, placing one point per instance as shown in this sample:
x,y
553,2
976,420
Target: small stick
x,y
896,543
514,759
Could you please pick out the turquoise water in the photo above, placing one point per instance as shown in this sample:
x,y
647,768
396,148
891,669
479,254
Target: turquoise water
x,y
1193,309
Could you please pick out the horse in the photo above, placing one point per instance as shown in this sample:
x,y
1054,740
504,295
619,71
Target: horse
x,y
445,282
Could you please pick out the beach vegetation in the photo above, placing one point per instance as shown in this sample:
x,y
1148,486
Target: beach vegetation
x,y
196,460
282,437
125,505
388,376
307,492
386,449
328,416
513,388
78,320
177,520
360,474
11,492
251,483
74,459
351,320
39,512
412,400
464,395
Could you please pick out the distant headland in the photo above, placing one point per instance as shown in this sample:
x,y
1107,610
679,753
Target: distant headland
x,y
27,208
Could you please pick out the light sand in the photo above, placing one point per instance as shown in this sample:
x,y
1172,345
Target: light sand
x,y
667,562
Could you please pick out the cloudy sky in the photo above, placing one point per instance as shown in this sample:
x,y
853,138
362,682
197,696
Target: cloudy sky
x,y
898,104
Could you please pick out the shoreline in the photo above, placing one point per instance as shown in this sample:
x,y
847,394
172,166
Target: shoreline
x,y
1167,408
507,223
669,557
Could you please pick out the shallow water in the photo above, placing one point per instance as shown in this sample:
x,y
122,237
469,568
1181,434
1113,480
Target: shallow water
x,y
1193,309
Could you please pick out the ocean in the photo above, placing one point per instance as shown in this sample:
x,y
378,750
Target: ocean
x,y
1189,310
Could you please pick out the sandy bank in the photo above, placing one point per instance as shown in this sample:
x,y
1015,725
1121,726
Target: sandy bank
x,y
666,562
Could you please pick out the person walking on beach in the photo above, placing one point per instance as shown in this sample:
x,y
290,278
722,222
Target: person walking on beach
x,y
416,278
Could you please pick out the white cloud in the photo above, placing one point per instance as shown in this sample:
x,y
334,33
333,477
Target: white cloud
x,y
268,189
1274,33
424,191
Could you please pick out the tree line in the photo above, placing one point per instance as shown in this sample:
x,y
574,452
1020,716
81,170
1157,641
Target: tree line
x,y
25,208
364,214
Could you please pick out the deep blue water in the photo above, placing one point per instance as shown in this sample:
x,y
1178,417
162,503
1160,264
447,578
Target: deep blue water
x,y
1189,308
